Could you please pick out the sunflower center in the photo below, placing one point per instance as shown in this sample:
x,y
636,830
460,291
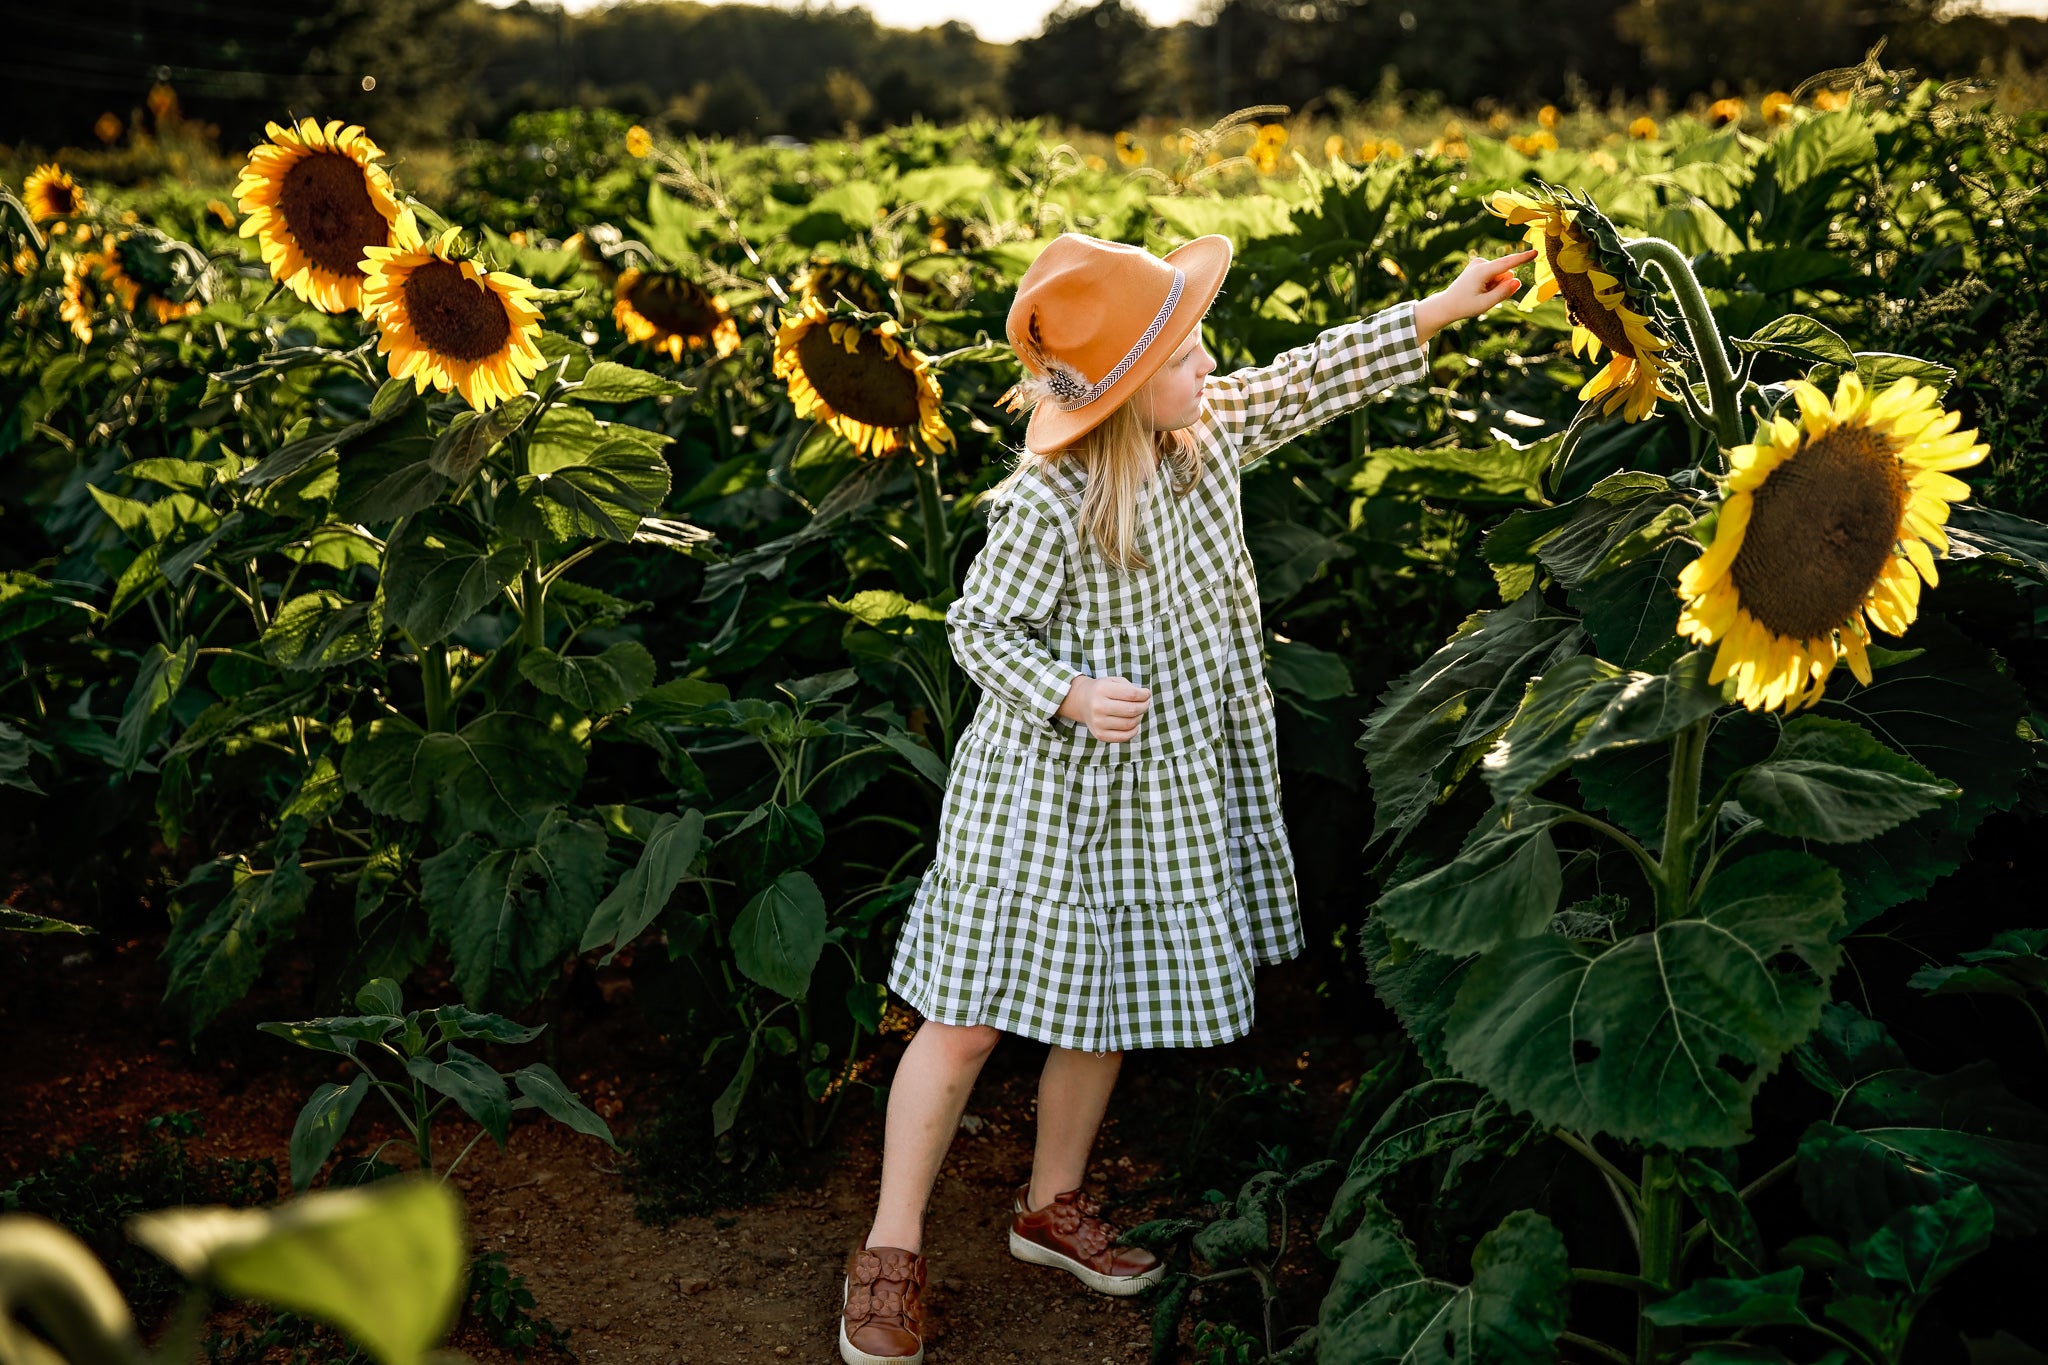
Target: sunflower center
x,y
865,385
1821,528
453,315
1584,304
328,208
62,199
674,304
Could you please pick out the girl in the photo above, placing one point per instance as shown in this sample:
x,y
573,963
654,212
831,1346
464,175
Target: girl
x,y
1111,862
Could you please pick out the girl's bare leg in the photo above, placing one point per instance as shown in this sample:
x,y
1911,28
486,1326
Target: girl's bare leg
x,y
925,1103
1073,1094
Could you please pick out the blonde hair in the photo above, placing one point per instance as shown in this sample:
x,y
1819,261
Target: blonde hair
x,y
1117,456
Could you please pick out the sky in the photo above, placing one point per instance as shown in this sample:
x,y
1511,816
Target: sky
x,y
1003,21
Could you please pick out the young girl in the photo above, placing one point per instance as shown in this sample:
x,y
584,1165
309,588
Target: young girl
x,y
1111,862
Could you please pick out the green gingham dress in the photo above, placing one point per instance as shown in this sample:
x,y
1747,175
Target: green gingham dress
x,y
1109,896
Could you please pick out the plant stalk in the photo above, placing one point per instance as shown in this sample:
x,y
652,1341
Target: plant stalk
x,y
434,682
533,602
1701,327
938,548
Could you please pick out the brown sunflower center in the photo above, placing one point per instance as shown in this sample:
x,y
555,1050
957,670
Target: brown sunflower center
x,y
834,282
1821,528
60,198
674,304
453,315
326,203
1584,304
865,385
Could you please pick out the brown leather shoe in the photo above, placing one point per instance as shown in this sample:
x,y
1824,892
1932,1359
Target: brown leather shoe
x,y
882,1322
1069,1234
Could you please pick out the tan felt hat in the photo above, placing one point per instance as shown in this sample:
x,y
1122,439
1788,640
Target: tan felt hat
x,y
1093,320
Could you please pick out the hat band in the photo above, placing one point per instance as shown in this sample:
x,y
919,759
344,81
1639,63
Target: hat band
x,y
1061,380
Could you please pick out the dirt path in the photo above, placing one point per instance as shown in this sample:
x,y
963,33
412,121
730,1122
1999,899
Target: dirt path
x,y
90,1054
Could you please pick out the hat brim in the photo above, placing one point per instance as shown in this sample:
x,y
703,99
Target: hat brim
x,y
1204,261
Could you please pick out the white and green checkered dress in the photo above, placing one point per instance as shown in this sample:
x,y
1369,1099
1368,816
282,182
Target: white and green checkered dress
x,y
1110,896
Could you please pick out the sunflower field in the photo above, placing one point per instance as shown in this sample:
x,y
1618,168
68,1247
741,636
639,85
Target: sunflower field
x,y
553,576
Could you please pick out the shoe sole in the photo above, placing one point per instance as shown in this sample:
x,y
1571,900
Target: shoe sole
x,y
854,1355
1120,1286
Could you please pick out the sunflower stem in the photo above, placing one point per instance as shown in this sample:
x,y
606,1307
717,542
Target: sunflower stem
x,y
533,601
434,682
938,549
1724,409
1663,1231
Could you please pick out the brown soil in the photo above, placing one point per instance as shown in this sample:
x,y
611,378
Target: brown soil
x,y
91,1054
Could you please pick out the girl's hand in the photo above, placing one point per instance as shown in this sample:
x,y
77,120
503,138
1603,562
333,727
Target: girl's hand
x,y
1109,707
1478,287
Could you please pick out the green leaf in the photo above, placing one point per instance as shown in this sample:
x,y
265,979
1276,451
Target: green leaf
x,y
439,571
1457,699
1632,611
1812,148
771,840
1501,472
495,774
469,440
1985,532
2012,964
323,629
1585,707
594,684
390,478
1802,338
918,755
1424,1122
1504,884
540,1084
457,1022
1921,1246
1667,1035
215,956
670,852
337,1034
16,749
1738,1245
380,996
1832,782
321,1124
1382,1307
1245,1230
725,1110
780,934
385,1263
474,1085
1766,1301
510,915
609,382
1882,369
1292,666
603,493
1418,986
148,709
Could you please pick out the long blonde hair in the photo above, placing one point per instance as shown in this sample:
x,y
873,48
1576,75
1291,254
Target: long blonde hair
x,y
1118,456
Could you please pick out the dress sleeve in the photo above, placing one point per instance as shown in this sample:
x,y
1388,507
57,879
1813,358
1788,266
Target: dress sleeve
x,y
1267,406
1011,589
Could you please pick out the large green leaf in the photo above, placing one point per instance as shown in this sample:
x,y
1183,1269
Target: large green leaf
x,y
385,1263
148,709
1832,782
1631,611
1667,1035
1502,472
510,915
215,954
1381,1309
1802,338
323,629
596,684
461,450
772,839
539,1084
439,570
1585,707
667,857
495,774
392,476
1418,986
1765,1301
1458,697
1502,885
321,1123
1424,1122
474,1084
610,382
604,492
780,934
2013,963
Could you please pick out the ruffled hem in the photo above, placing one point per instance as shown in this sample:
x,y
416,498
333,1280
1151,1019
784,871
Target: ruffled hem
x,y
1089,978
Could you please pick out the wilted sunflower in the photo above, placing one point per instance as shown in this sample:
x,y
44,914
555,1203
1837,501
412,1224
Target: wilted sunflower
x,y
1826,524
830,281
315,204
126,269
449,322
668,312
857,373
51,193
1579,255
84,293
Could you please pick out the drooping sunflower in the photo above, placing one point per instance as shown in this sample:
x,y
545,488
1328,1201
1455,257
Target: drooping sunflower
x,y
1827,526
51,193
858,373
316,202
668,312
449,322
83,295
1579,255
830,281
135,275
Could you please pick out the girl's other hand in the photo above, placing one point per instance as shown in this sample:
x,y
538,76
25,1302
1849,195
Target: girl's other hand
x,y
1479,286
1109,707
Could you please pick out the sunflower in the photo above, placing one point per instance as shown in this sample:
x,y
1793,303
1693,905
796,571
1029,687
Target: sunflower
x,y
1778,106
1579,256
1547,116
857,373
51,193
639,142
315,204
830,281
1723,112
1131,152
449,322
84,294
129,279
1642,128
1827,526
669,312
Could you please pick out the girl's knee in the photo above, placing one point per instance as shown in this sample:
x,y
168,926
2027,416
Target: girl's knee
x,y
967,1041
